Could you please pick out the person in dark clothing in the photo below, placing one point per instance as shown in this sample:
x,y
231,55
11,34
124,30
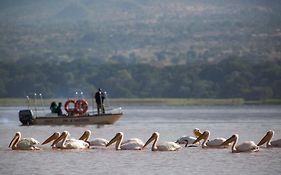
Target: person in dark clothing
x,y
53,107
59,111
100,96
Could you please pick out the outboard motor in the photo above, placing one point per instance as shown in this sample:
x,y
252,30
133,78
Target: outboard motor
x,y
26,117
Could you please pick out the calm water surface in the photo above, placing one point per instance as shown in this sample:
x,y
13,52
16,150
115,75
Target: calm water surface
x,y
250,122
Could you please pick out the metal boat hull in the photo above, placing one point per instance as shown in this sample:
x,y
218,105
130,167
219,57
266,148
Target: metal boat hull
x,y
104,119
27,117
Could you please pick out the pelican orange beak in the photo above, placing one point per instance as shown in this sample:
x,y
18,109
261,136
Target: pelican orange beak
x,y
200,137
152,138
268,136
197,132
114,139
62,136
229,140
86,135
51,138
15,139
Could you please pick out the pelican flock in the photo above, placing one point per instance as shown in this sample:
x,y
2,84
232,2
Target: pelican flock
x,y
63,141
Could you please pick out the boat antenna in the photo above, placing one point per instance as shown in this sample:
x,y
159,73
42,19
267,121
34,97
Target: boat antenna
x,y
42,103
35,103
93,96
28,101
102,107
76,95
107,99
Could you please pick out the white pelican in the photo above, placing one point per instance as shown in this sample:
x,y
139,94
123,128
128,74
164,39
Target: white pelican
x,y
267,139
19,143
69,143
247,146
165,146
189,139
215,143
96,142
131,144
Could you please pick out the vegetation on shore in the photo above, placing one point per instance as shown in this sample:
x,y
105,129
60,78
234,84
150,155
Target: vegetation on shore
x,y
145,101
231,78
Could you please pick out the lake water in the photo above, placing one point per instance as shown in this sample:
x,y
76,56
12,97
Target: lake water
x,y
250,122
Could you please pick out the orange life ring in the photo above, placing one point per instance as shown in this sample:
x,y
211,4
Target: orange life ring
x,y
81,106
67,108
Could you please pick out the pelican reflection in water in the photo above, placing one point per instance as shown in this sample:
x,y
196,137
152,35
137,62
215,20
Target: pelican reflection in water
x,y
165,146
19,143
267,139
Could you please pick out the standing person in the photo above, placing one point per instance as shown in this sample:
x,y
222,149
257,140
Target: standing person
x,y
99,96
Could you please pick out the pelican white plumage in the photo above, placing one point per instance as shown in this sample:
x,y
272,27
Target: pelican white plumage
x,y
131,144
214,143
132,140
247,146
97,142
165,146
267,139
68,143
189,139
19,143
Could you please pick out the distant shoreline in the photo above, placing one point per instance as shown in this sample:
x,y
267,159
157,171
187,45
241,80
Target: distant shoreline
x,y
147,101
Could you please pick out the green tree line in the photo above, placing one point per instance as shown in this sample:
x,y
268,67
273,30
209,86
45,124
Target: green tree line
x,y
230,78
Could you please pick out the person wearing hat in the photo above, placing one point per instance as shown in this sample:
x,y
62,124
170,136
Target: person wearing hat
x,y
99,96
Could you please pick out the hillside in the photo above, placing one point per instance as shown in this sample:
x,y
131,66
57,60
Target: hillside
x,y
157,32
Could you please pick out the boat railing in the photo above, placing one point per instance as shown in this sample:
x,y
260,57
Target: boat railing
x,y
36,104
117,110
39,112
